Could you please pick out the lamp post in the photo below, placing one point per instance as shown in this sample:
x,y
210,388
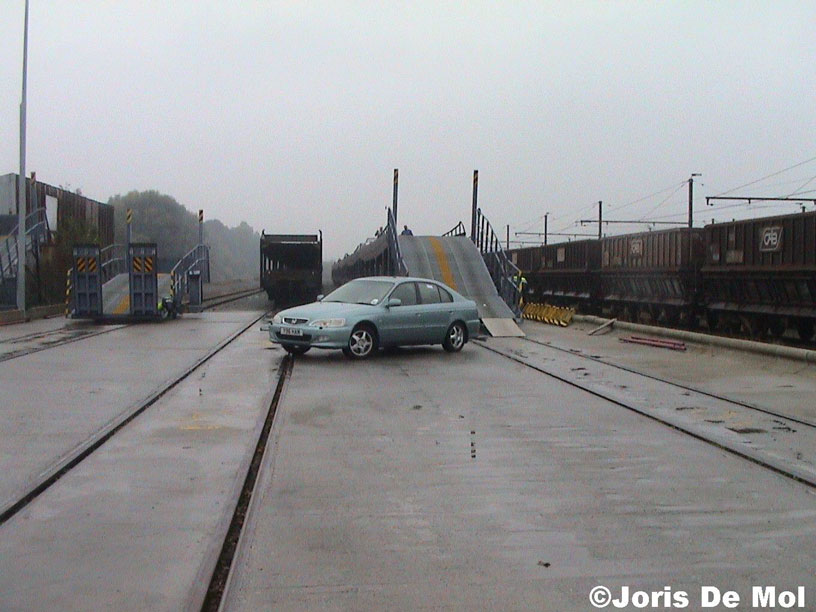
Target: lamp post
x,y
691,199
22,191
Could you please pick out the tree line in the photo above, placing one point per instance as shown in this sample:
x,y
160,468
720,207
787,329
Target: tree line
x,y
161,219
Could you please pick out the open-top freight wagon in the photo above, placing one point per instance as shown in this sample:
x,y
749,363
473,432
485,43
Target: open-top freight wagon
x,y
291,267
753,275
652,273
760,274
563,274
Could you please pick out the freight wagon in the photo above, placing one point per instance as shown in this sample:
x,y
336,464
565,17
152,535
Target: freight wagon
x,y
563,274
291,267
755,275
652,273
760,274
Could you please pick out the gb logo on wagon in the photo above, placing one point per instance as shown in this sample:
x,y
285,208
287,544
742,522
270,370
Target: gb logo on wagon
x,y
770,239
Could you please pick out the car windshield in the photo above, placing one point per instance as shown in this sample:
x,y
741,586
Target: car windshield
x,y
361,291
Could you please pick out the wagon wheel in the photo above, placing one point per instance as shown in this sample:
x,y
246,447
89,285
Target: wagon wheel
x,y
777,325
671,316
626,313
805,329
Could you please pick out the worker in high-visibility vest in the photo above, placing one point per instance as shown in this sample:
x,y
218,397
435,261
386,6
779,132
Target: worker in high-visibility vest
x,y
521,283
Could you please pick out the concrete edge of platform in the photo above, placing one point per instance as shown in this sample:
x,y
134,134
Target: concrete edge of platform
x,y
9,317
761,348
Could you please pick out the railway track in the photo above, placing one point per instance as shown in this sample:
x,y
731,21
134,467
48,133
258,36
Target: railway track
x,y
84,450
58,337
738,403
771,439
222,574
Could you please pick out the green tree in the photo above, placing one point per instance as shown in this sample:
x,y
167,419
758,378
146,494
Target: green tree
x,y
161,219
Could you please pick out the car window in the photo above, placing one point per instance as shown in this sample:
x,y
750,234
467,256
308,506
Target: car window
x,y
406,292
428,293
444,295
360,291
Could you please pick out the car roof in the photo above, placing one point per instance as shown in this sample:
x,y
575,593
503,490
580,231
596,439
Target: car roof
x,y
400,278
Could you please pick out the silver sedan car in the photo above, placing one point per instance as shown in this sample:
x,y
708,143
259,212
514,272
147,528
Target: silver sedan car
x,y
380,311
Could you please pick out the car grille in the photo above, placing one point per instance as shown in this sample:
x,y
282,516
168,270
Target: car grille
x,y
294,321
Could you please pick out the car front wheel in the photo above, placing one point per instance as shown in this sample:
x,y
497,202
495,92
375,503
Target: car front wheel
x,y
454,338
362,342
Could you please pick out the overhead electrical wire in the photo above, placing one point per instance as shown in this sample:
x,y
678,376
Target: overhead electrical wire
x,y
778,172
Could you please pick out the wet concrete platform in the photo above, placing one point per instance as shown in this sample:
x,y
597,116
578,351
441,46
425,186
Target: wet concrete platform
x,y
415,480
421,480
139,524
774,383
56,400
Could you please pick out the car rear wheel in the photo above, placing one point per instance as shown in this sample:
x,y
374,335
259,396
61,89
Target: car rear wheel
x,y
454,338
295,349
362,342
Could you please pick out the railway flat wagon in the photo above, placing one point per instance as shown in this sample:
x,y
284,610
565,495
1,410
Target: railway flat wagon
x,y
563,274
291,267
760,274
653,273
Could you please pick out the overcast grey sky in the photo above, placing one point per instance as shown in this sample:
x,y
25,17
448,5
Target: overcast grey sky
x,y
291,116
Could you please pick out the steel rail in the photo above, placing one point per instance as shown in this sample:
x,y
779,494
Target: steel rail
x,y
782,471
85,449
208,304
63,342
222,575
673,383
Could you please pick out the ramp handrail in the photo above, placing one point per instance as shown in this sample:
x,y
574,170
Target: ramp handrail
x,y
397,263
457,230
197,258
114,261
503,271
8,248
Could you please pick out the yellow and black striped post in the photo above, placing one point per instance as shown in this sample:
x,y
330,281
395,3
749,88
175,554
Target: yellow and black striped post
x,y
129,218
68,275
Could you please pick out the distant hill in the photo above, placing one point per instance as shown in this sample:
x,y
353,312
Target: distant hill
x,y
160,218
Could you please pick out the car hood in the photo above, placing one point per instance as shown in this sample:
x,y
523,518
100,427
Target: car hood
x,y
326,309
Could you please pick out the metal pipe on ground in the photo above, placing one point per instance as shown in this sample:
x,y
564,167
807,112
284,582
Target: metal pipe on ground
x,y
761,348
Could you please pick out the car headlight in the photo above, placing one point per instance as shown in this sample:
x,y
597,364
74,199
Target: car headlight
x,y
277,319
328,323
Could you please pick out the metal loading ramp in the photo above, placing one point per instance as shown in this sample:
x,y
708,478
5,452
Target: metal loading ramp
x,y
455,261
116,293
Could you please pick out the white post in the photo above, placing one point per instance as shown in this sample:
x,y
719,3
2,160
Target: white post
x,y
22,190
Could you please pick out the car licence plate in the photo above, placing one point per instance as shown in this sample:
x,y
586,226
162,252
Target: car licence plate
x,y
291,331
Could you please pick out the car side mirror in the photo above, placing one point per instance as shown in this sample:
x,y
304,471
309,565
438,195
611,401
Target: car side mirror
x,y
393,302
320,297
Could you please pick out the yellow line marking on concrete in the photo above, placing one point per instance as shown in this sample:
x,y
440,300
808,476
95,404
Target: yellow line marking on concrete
x,y
442,260
123,307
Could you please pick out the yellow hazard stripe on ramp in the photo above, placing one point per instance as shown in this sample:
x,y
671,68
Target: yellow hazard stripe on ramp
x,y
442,260
123,307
